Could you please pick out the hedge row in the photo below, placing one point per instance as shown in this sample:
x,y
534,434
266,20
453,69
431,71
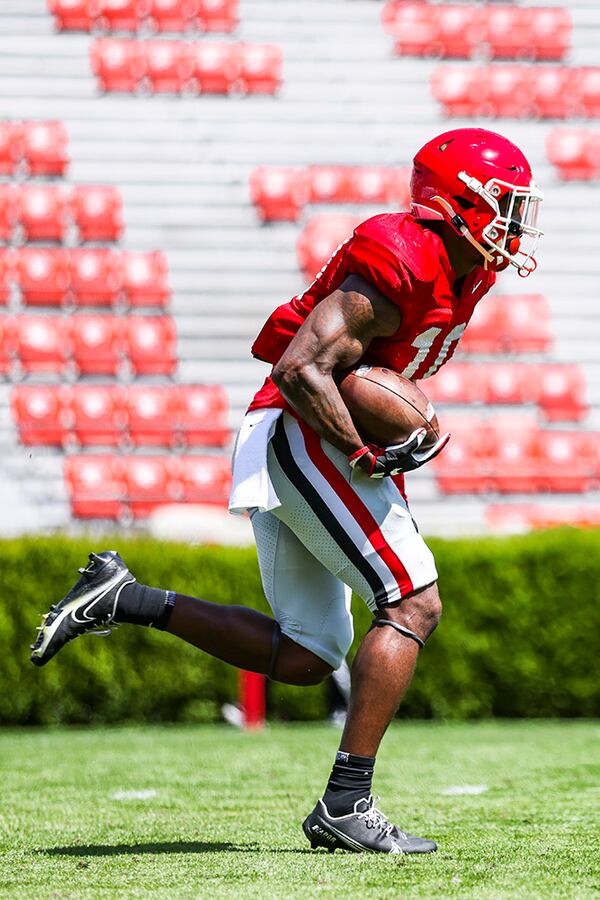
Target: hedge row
x,y
517,637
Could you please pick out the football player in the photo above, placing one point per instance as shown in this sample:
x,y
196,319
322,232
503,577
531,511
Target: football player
x,y
329,512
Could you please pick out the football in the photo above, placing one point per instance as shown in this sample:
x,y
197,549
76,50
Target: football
x,y
386,407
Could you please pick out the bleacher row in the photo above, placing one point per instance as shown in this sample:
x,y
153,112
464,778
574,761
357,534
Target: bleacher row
x,y
50,212
172,66
467,31
144,15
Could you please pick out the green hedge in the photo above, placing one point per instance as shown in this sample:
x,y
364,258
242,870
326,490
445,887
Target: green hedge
x,y
516,639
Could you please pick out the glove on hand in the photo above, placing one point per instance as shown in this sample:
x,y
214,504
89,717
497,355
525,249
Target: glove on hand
x,y
399,458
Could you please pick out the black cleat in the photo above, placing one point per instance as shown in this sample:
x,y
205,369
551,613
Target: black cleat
x,y
364,830
90,605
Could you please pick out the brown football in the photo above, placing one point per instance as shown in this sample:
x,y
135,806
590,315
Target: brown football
x,y
386,407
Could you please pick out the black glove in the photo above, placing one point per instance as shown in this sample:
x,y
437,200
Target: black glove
x,y
399,458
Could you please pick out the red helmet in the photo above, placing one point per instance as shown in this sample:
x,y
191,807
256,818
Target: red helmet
x,y
481,184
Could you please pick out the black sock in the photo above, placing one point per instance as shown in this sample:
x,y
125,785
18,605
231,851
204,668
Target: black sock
x,y
142,605
350,781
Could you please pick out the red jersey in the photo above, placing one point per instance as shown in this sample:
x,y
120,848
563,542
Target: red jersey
x,y
409,265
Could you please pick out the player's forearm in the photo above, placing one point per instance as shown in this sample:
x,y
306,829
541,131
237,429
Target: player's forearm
x,y
315,397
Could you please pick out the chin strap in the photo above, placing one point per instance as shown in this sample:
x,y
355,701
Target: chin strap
x,y
461,226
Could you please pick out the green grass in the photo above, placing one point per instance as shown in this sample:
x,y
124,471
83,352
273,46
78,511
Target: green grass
x,y
225,820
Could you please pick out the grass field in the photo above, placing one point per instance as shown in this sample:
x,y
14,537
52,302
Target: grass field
x,y
205,811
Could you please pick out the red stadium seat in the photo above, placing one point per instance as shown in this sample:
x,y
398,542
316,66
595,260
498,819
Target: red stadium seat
x,y
168,66
588,91
97,344
98,417
506,89
7,343
260,68
484,333
564,461
8,212
413,26
172,15
458,89
145,278
320,238
460,30
218,15
214,67
41,212
525,325
96,486
97,211
148,483
43,343
71,15
205,479
279,194
150,345
328,184
458,383
117,64
120,15
505,32
575,152
45,147
95,276
39,414
553,90
507,383
560,392
7,274
369,184
43,275
513,454
547,31
201,415
462,467
10,147
520,517
151,415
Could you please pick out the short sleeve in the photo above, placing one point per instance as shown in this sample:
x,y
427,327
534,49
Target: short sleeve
x,y
380,266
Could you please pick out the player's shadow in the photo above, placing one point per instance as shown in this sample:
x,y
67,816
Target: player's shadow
x,y
166,847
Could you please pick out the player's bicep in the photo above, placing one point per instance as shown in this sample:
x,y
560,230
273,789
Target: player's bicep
x,y
338,331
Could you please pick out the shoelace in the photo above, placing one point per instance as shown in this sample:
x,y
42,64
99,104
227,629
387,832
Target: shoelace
x,y
375,818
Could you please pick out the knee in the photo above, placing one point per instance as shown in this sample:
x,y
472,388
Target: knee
x,y
421,612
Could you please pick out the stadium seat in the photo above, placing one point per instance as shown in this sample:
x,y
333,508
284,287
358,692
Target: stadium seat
x,y
97,344
119,15
7,344
328,184
513,442
7,274
168,66
458,383
320,238
520,517
506,91
42,343
414,29
96,486
201,415
38,414
588,91
43,275
279,194
148,483
205,479
260,68
462,468
553,91
484,333
175,16
151,415
98,417
459,89
45,147
504,35
71,15
145,278
564,461
218,15
117,64
97,212
506,383
41,212
150,345
95,276
10,147
214,67
575,152
547,32
560,392
525,326
8,213
459,30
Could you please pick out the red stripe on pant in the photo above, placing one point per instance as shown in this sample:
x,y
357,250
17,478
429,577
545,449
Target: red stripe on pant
x,y
356,507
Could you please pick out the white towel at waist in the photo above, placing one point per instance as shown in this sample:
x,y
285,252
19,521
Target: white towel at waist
x,y
252,486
